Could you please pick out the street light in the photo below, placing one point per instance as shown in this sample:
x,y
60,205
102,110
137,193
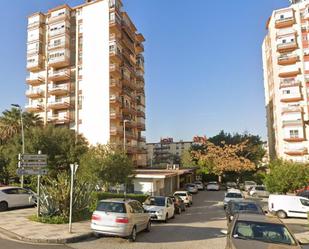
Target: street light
x,y
124,134
22,136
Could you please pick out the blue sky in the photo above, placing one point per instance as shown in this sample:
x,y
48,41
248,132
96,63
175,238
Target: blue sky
x,y
203,62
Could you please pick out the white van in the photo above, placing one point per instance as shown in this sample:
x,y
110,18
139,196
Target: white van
x,y
288,206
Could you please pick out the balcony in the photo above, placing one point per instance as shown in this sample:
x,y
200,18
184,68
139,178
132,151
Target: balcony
x,y
34,25
294,139
59,59
59,104
297,122
139,48
63,44
289,83
284,22
114,53
35,63
59,75
35,93
140,37
142,139
128,111
60,17
59,90
291,109
35,80
140,114
59,32
59,120
115,24
287,47
287,59
289,71
141,126
116,131
114,99
115,71
131,149
115,115
292,97
296,151
34,108
115,84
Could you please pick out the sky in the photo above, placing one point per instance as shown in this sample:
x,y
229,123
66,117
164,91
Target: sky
x,y
203,62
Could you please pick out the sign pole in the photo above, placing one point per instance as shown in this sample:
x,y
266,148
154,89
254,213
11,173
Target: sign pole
x,y
73,171
38,192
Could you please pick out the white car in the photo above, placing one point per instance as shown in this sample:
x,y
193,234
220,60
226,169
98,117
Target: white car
x,y
213,186
232,195
15,197
185,196
249,184
160,208
258,190
200,185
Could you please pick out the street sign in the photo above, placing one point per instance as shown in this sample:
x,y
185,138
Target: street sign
x,y
34,157
32,171
33,164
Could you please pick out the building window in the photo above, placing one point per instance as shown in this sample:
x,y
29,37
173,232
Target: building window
x,y
286,91
281,16
294,134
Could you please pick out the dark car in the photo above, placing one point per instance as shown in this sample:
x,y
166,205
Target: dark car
x,y
304,193
179,204
234,207
259,232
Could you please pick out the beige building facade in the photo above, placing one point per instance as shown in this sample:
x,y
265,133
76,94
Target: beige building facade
x,y
86,72
286,81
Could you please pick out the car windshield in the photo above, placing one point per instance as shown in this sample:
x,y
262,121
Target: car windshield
x,y
231,184
250,183
266,232
155,201
233,195
239,207
113,207
191,185
180,194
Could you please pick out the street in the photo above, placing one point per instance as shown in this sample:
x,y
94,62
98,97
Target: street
x,y
198,227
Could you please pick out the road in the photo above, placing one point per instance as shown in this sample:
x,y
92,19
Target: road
x,y
198,227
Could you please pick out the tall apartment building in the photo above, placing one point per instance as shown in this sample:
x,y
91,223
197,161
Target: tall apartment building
x,y
166,151
286,81
86,72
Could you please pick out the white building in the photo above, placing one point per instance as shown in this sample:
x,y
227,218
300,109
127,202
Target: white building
x,y
286,81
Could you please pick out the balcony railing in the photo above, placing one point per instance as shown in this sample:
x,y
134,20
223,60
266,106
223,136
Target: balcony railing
x,y
296,151
34,108
284,22
289,71
59,75
297,122
292,109
115,70
289,83
292,97
57,119
59,104
113,83
288,46
34,93
35,80
286,59
57,18
59,89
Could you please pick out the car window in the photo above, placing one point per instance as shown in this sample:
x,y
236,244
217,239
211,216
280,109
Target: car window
x,y
266,232
155,201
114,207
23,192
304,202
10,191
180,194
139,207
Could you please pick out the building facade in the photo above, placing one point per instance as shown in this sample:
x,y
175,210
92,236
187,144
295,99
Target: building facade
x,y
286,81
166,151
86,72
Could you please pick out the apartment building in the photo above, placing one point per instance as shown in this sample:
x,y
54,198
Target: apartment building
x,y
86,72
166,151
286,81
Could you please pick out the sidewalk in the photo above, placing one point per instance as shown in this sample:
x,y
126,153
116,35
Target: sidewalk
x,y
16,225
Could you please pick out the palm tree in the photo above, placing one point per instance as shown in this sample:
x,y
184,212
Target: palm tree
x,y
10,122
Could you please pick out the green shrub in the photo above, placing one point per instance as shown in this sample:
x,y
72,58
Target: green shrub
x,y
49,219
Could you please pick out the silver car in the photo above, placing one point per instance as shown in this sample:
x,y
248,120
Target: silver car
x,y
258,190
118,217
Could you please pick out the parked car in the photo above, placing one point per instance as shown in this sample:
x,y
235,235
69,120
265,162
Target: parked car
x,y
304,193
200,185
191,188
185,196
178,203
213,186
259,231
15,197
160,207
245,206
249,184
231,185
118,217
288,206
258,190
232,195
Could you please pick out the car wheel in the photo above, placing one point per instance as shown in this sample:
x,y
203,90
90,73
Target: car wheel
x,y
3,206
132,237
166,218
281,214
148,228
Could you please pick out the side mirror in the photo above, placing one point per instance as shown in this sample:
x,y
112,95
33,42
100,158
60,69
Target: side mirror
x,y
224,231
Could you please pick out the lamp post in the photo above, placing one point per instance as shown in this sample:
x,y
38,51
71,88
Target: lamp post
x,y
124,134
22,136
73,168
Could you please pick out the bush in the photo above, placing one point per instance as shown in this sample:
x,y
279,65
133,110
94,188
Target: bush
x,y
107,195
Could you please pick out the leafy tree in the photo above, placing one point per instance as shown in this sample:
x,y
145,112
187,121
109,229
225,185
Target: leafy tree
x,y
102,164
10,123
220,159
187,160
286,176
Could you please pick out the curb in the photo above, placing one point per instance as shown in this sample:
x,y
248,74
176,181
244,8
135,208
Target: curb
x,y
73,239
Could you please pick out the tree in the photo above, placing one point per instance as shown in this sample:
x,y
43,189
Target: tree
x,y
10,123
286,176
103,164
187,160
220,159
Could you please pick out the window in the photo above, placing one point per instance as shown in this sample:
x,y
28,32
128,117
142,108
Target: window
x,y
281,16
304,202
284,41
286,91
294,133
